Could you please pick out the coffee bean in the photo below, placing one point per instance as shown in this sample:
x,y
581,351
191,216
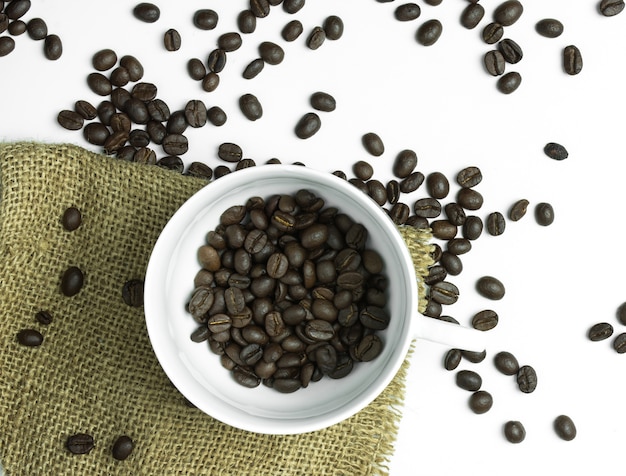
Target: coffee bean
x,y
292,30
472,15
610,8
36,27
147,12
132,292
195,113
172,40
246,21
407,12
230,152
271,53
494,62
469,177
363,170
393,191
600,331
30,338
485,320
17,9
506,363
443,229
333,27
53,47
444,293
490,288
250,107
122,448
572,60
7,45
509,82
437,185
133,66
374,317
260,8
96,133
518,210
492,33
551,28
85,109
555,151
373,144
308,125
496,224
511,51
245,377
44,317
175,144
19,27
459,246
468,380
508,12
412,182
480,402
316,38
229,41
72,281
71,218
452,263
427,208
621,313
429,32
474,357
473,227
514,431
70,120
469,199
619,343
452,359
544,214
293,6
216,116
80,443
323,102
565,428
205,19
527,379
104,59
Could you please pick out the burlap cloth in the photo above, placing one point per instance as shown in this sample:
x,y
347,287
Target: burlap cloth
x,y
96,372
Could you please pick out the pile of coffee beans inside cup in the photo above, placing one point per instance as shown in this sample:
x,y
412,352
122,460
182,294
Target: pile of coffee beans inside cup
x,y
289,292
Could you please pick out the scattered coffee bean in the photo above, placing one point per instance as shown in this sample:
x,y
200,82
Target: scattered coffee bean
x,y
316,38
271,53
555,151
44,317
469,199
80,443
17,9
600,331
474,357
509,82
459,246
518,210
496,224
621,313
324,102
246,21
550,28
473,227
507,13
544,214
132,292
253,69
494,62
468,380
70,120
492,33
514,431
72,281
572,60
260,8
122,448
37,29
485,320
437,185
565,428
480,402
7,45
172,40
452,359
619,343
205,19
490,288
308,125
229,42
147,12
429,32
511,51
292,30
472,15
444,293
506,363
527,379
104,59
53,47
610,8
250,107
71,219
407,12
30,338
373,144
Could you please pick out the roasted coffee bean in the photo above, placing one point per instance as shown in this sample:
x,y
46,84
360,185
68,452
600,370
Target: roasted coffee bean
x,y
172,40
506,363
122,448
104,59
7,45
195,113
322,101
316,38
472,15
572,60
229,42
96,133
70,120
373,144
196,69
492,33
229,152
19,27
368,349
452,359
205,19
132,292
485,320
260,8
133,66
437,185
17,9
271,53
551,28
292,30
333,27
72,281
216,116
250,107
175,144
119,77
490,288
147,12
245,377
308,125
469,177
412,182
469,199
363,170
544,214
44,317
436,274
144,91
621,313
119,98
565,428
120,122
52,47
374,317
139,138
494,62
508,12
610,8
399,213
511,51
518,210
527,379
452,263
427,208
246,21
496,224
253,68
30,338
292,6
85,109
619,343
393,191
480,402
377,191
459,246
444,292
429,32
600,331
326,358
555,151
474,357
99,84
201,302
514,431
137,111
509,82
443,229
468,380
80,443
404,164
217,60
407,12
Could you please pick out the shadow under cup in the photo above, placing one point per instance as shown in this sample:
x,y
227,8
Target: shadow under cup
x,y
197,372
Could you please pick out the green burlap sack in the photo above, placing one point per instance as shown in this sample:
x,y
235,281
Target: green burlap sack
x,y
95,371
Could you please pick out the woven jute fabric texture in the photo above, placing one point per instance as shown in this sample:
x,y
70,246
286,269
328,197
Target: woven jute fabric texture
x,y
96,372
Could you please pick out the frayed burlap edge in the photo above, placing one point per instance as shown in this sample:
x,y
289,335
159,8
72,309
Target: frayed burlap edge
x,y
95,371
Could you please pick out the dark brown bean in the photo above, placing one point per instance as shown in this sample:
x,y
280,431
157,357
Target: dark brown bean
x,y
600,331
506,363
509,82
30,337
555,151
518,210
205,19
490,288
429,32
122,448
550,27
496,224
527,379
308,125
53,47
80,443
147,12
572,60
480,402
508,12
316,38
292,30
514,431
565,427
485,320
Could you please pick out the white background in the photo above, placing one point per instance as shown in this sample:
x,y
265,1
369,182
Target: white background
x,y
441,103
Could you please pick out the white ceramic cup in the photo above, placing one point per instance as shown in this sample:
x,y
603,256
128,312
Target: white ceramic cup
x,y
197,372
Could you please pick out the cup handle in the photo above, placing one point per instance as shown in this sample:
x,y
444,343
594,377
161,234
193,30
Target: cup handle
x,y
448,333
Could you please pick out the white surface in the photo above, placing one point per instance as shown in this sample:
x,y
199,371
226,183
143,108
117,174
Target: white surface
x,y
438,101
